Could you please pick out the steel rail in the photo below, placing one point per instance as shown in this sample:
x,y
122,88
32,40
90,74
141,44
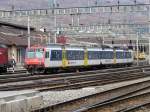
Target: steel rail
x,y
131,109
109,102
17,78
14,75
105,97
72,82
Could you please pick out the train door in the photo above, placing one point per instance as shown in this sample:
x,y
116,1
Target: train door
x,y
47,57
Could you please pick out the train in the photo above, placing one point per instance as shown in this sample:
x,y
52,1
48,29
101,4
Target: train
x,y
139,55
3,58
55,57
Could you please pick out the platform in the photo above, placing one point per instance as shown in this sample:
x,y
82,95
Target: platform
x,y
20,101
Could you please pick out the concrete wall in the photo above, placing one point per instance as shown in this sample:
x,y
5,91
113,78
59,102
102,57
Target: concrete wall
x,y
12,52
17,53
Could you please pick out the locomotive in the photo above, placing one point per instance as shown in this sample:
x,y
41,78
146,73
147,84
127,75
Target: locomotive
x,y
3,58
55,56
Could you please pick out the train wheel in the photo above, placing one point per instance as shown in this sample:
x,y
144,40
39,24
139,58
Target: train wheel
x,y
54,70
5,70
45,71
31,71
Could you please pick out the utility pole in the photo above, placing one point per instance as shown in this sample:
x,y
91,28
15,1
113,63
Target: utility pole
x,y
55,23
137,49
29,37
49,38
53,2
72,19
149,32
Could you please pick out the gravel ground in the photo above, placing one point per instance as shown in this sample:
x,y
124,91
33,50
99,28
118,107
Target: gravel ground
x,y
55,97
143,109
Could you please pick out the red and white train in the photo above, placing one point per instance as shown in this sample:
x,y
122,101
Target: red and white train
x,y
54,57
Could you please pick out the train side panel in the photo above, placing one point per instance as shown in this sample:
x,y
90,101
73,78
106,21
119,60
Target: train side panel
x,y
107,57
75,56
54,58
94,56
124,56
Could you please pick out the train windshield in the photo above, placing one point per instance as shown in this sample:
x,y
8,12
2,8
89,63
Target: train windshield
x,y
30,53
39,53
35,53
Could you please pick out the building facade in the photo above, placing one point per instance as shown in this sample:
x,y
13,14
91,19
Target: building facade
x,y
15,37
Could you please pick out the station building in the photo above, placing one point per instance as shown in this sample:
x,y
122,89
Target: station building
x,y
15,37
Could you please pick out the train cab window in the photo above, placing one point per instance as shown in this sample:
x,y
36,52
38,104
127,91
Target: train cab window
x,y
47,54
30,53
39,53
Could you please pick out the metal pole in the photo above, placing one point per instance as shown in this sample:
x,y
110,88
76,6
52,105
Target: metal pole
x,y
149,31
72,19
103,40
49,38
29,32
137,50
55,23
78,19
149,50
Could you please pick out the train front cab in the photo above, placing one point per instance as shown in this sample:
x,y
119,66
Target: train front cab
x,y
34,60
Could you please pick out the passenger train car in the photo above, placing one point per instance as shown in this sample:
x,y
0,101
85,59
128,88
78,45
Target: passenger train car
x,y
54,57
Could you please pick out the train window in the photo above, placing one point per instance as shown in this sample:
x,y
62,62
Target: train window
x,y
118,55
109,54
128,54
106,54
121,55
93,55
30,53
56,55
75,55
47,54
39,53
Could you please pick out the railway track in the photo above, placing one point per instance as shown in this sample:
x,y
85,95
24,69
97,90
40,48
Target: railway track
x,y
143,107
17,72
72,80
122,99
24,75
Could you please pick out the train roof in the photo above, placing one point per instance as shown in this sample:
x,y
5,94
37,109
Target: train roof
x,y
104,47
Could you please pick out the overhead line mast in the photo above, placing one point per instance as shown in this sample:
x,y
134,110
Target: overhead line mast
x,y
75,10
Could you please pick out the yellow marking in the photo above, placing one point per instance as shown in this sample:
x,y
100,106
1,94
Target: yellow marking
x,y
115,56
85,57
64,60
